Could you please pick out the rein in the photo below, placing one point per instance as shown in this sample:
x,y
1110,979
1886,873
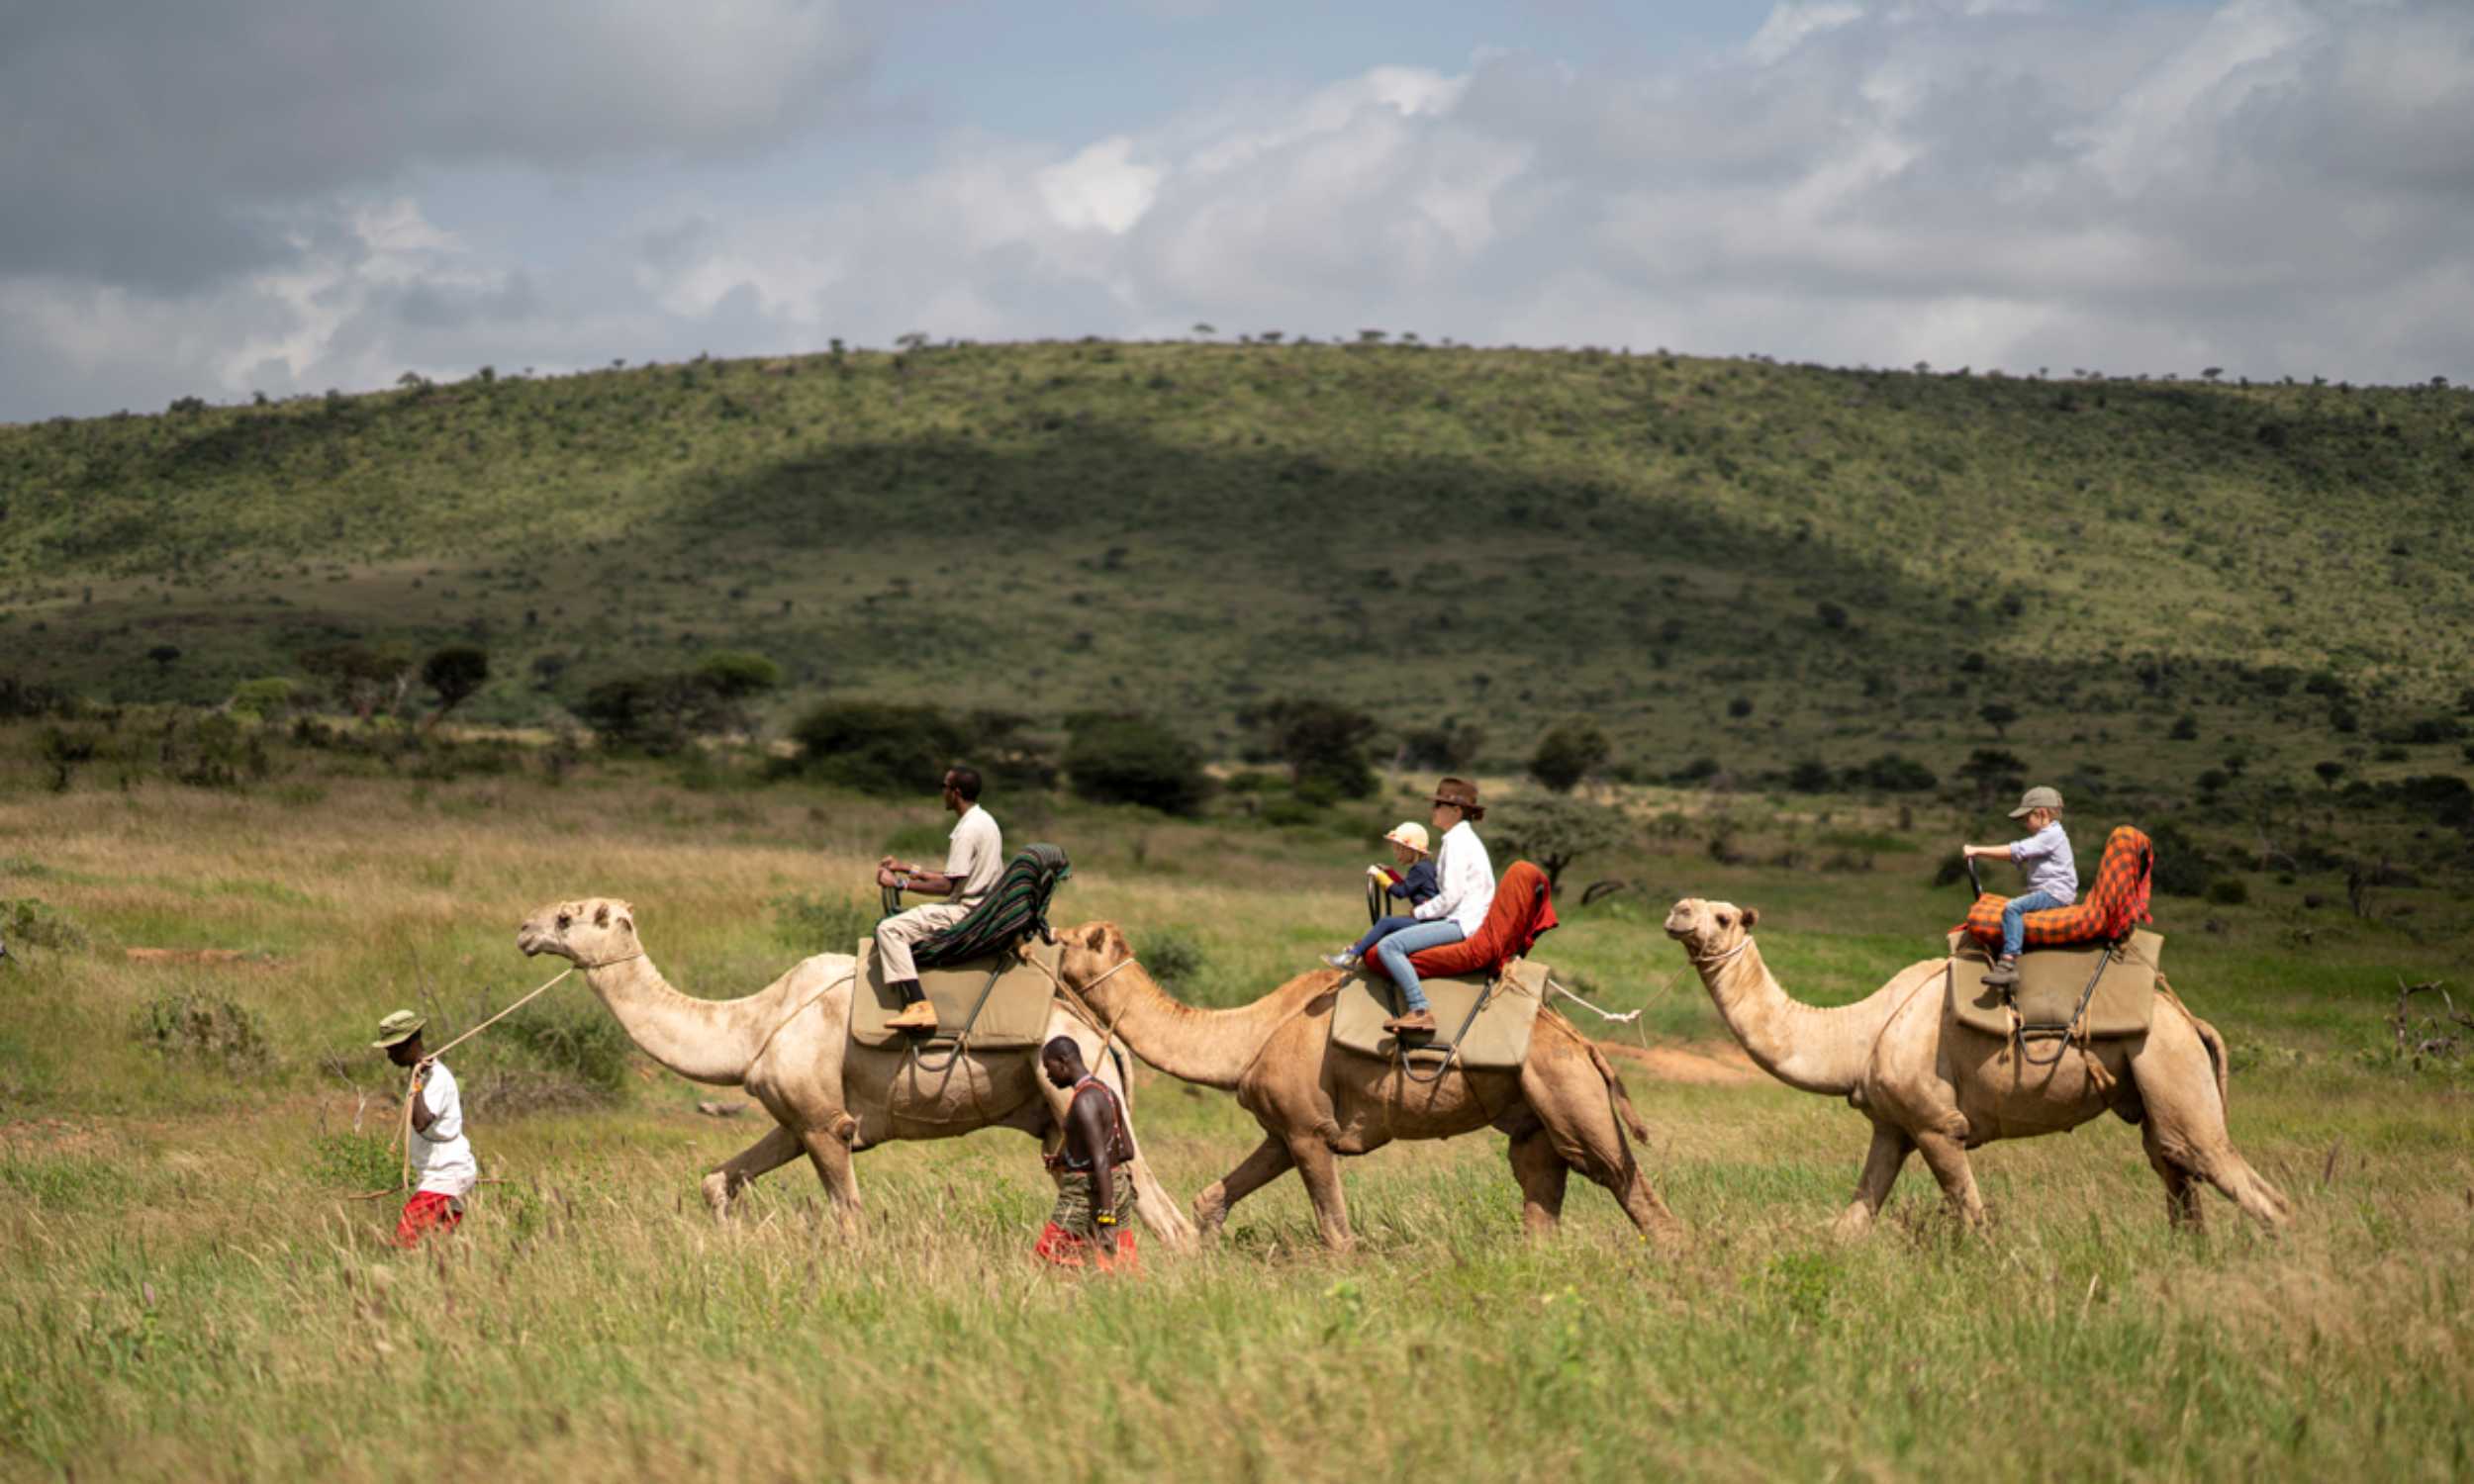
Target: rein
x,y
1082,1007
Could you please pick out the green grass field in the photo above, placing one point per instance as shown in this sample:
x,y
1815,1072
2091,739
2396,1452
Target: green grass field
x,y
188,1294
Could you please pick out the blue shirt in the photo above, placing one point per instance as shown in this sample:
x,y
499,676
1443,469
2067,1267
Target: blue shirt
x,y
1419,885
2046,857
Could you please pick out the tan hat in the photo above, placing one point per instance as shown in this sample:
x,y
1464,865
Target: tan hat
x,y
398,1028
2035,800
1410,834
1459,791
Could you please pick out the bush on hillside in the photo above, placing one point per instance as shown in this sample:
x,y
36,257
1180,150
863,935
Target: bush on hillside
x,y
1449,748
266,698
736,676
29,921
1323,742
2183,868
656,714
192,1024
880,747
1891,774
1554,831
452,674
1568,752
1135,759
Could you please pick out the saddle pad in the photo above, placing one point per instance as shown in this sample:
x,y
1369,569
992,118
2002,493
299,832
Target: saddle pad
x,y
1500,1038
2050,982
1015,1014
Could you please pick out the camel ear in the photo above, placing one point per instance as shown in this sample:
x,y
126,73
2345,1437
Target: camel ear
x,y
1750,915
601,915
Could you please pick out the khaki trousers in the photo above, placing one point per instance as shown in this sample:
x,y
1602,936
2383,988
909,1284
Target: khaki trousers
x,y
896,934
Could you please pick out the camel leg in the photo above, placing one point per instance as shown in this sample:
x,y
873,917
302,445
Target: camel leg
x,y
1319,1168
1883,1163
1161,1214
1948,1159
2182,1207
725,1181
1542,1173
2177,1080
832,1158
1269,1159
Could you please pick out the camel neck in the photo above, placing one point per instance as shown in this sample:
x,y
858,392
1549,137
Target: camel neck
x,y
1209,1048
702,1040
1803,1045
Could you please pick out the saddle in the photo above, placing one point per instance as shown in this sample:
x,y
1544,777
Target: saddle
x,y
1480,1021
2102,992
997,1002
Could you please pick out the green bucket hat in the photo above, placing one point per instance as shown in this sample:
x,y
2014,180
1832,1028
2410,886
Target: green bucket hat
x,y
2037,798
398,1028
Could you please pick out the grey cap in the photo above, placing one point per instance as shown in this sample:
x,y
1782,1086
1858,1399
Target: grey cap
x,y
2037,798
397,1028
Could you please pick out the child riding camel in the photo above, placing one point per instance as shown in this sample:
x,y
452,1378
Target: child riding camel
x,y
1413,882
1466,876
2052,875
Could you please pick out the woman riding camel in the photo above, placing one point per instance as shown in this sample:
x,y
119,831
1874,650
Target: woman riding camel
x,y
1453,913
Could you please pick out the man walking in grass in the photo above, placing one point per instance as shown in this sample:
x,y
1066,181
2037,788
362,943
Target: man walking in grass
x,y
444,1171
973,863
1094,1196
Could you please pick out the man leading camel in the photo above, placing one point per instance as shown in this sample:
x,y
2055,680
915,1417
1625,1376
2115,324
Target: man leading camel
x,y
440,1155
1466,875
973,863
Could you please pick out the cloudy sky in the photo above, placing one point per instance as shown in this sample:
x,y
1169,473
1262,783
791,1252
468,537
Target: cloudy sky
x,y
226,196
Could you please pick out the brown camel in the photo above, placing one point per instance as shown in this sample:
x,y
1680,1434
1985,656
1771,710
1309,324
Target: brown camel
x,y
1564,1108
1934,1087
788,1044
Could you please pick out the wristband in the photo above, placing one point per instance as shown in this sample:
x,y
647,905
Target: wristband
x,y
1104,1218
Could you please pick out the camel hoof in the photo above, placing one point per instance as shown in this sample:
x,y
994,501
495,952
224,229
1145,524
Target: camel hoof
x,y
716,1188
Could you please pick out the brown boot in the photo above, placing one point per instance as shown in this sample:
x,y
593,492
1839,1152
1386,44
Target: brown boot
x,y
1412,1023
2004,973
918,1015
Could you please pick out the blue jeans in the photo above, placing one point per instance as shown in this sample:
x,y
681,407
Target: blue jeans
x,y
1396,948
2014,932
1383,928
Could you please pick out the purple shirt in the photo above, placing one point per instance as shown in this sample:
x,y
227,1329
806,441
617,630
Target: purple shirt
x,y
2046,857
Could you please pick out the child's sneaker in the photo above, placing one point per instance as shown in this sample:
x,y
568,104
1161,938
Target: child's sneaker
x,y
2004,973
1344,961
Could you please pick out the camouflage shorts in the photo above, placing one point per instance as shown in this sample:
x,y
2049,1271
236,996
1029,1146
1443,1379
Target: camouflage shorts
x,y
1073,1215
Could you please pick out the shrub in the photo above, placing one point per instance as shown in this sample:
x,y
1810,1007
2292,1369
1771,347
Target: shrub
x,y
1811,776
452,674
1554,831
266,698
737,675
1449,748
1739,707
1135,759
1322,742
192,1023
1994,770
1696,771
575,1039
2229,891
28,921
880,747
1892,774
1173,958
1567,754
820,924
354,1161
657,714
2182,868
2185,728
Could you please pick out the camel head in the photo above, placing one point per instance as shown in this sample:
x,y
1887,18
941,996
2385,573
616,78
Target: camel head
x,y
595,930
1707,929
1091,952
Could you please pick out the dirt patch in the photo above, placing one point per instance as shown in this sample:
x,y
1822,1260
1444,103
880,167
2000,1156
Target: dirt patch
x,y
1706,1066
196,955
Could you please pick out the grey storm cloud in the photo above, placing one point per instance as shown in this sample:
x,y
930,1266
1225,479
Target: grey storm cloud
x,y
166,145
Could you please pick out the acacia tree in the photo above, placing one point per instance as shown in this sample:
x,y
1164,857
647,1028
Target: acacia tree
x,y
1554,831
1567,754
454,674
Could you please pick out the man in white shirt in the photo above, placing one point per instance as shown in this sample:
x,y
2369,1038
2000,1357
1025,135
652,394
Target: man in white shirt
x,y
444,1171
973,863
1464,880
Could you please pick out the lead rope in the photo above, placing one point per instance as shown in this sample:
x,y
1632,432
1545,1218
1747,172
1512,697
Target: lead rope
x,y
412,1085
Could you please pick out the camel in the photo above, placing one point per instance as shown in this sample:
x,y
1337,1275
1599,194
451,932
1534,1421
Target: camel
x,y
788,1044
1939,1088
1565,1108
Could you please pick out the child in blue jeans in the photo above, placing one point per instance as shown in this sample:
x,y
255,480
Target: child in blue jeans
x,y
1413,882
2052,875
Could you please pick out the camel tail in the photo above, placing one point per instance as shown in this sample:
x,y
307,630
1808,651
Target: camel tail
x,y
2207,1037
1615,1090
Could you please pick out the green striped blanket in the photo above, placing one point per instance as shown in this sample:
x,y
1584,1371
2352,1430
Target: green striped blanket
x,y
1015,909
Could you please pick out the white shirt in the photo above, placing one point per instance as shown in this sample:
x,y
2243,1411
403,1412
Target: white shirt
x,y
441,1161
977,857
1466,877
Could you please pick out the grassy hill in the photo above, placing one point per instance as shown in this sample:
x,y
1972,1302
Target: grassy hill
x,y
1741,560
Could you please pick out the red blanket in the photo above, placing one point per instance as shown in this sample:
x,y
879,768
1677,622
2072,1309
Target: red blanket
x,y
2119,900
1523,910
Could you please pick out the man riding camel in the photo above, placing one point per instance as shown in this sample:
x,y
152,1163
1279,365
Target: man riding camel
x,y
973,863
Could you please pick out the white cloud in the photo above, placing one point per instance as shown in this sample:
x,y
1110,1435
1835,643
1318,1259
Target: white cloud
x,y
2273,186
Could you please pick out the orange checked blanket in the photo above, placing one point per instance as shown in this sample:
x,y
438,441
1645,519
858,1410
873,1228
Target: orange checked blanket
x,y
2117,900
